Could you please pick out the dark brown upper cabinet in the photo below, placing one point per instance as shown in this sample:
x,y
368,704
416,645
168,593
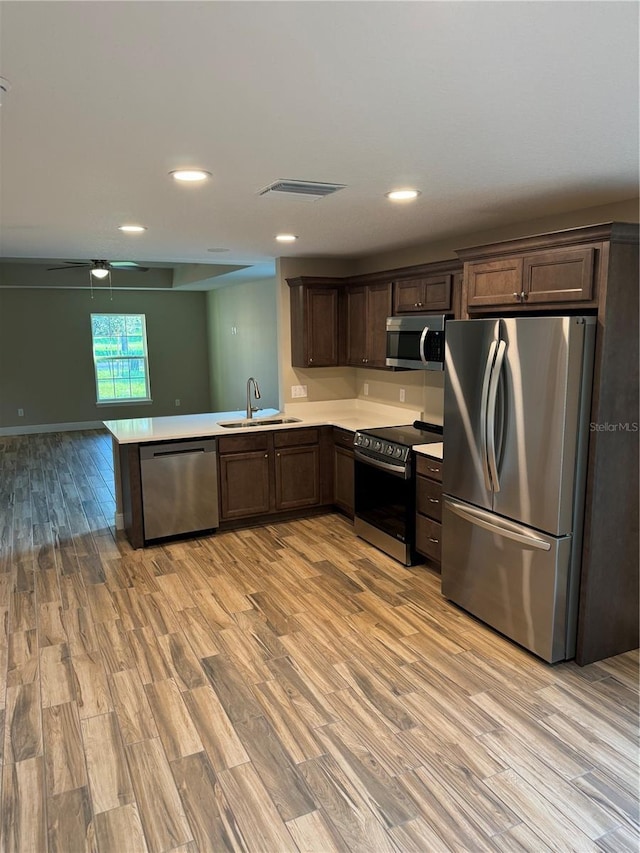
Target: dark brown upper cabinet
x,y
367,309
536,278
314,321
423,295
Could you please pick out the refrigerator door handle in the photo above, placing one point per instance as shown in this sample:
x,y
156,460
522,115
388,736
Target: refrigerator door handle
x,y
423,338
491,415
483,414
502,528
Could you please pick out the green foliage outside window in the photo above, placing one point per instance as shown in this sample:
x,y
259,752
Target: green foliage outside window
x,y
120,357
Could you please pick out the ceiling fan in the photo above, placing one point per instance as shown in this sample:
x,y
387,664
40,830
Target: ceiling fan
x,y
101,269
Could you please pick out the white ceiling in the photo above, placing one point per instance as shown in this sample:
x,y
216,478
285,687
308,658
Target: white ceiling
x,y
498,112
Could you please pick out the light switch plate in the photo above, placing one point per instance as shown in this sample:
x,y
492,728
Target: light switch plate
x,y
402,395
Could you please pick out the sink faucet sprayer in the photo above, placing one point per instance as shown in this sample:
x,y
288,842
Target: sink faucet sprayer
x,y
256,389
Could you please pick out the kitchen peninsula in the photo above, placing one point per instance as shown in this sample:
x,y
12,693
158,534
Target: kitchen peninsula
x,y
292,461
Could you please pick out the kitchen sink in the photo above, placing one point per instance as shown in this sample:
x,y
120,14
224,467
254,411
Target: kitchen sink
x,y
258,422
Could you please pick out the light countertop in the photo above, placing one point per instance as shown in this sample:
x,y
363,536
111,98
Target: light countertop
x,y
353,414
434,450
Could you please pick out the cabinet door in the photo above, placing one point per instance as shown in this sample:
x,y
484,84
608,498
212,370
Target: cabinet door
x,y
559,276
322,326
356,302
297,477
343,467
494,282
423,295
408,296
244,484
378,309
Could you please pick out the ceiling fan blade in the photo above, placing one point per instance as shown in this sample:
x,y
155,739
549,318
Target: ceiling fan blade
x,y
127,266
69,265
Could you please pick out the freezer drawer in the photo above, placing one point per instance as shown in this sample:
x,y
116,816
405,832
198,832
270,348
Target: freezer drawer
x,y
179,487
509,576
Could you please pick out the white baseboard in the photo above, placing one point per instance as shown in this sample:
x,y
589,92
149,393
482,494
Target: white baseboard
x,y
35,428
119,519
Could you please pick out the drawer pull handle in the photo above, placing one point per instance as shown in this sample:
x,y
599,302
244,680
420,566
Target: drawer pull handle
x,y
434,501
435,470
431,539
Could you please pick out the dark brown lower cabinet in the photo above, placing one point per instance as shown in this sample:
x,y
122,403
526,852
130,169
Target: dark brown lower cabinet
x,y
271,472
244,484
297,474
343,469
429,507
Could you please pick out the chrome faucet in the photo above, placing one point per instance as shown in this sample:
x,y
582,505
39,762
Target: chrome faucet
x,y
256,389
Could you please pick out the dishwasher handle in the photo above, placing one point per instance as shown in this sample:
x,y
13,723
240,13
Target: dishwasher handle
x,y
176,448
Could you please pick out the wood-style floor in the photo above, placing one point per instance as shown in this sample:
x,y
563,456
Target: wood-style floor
x,y
287,688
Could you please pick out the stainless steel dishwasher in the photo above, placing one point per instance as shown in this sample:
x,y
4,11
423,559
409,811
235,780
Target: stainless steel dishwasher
x,y
179,487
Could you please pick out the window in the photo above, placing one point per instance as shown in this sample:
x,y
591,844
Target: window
x,y
120,357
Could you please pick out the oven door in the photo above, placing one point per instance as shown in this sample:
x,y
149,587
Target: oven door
x,y
385,506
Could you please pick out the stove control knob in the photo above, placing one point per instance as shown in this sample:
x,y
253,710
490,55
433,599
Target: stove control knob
x,y
389,449
377,445
398,452
366,441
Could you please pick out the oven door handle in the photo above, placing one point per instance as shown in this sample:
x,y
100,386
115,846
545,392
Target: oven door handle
x,y
404,471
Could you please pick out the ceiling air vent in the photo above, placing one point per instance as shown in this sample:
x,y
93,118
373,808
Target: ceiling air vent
x,y
304,190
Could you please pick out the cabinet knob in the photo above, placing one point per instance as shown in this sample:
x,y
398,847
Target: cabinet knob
x,y
277,454
310,361
516,296
266,455
523,296
416,305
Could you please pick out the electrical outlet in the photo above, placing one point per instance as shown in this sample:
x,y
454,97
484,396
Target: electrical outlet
x,y
177,402
20,413
366,389
402,395
234,330
298,390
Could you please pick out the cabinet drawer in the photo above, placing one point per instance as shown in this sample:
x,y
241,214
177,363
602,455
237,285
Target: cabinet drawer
x,y
240,443
295,437
428,538
429,498
429,467
343,437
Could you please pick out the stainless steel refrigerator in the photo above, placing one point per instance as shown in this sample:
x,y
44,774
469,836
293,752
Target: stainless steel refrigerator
x,y
516,411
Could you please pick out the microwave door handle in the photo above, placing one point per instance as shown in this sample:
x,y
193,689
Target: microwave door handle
x,y
483,414
491,414
423,338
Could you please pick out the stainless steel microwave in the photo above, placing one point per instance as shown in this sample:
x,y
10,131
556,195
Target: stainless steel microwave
x,y
416,341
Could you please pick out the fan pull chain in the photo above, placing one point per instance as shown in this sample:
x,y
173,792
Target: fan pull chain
x,y
91,282
110,287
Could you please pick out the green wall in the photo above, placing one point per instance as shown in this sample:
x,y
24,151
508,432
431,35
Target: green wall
x,y
243,342
46,365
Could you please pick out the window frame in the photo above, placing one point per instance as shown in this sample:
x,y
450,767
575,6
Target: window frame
x,y
122,401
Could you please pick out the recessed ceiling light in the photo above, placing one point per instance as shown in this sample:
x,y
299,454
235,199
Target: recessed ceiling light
x,y
403,195
190,175
218,249
286,238
132,229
